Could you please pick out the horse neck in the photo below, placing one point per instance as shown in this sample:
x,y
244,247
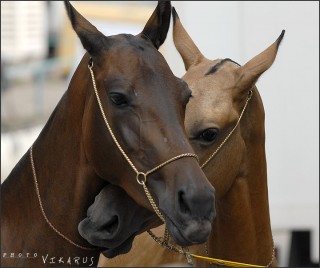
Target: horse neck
x,y
67,184
242,231
67,179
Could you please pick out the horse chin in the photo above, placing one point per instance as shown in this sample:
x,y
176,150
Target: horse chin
x,y
195,232
122,249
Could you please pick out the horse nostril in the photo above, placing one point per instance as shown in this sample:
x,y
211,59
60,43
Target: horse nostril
x,y
184,207
111,226
196,203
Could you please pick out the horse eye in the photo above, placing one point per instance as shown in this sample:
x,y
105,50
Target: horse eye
x,y
209,134
119,99
186,101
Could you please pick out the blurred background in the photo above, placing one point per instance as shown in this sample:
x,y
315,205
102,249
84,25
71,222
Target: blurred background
x,y
39,53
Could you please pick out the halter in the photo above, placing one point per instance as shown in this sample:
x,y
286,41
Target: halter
x,y
164,243
232,130
141,177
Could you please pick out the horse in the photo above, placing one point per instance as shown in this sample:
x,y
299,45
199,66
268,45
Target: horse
x,y
122,115
225,124
114,201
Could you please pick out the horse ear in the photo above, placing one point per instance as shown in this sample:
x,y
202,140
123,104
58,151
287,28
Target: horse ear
x,y
184,44
92,39
157,26
249,73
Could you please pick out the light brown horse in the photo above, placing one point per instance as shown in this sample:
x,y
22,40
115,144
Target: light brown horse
x,y
123,112
221,89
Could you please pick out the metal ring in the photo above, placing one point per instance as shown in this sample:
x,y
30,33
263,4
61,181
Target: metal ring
x,y
144,178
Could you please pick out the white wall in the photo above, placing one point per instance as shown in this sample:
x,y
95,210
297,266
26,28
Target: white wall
x,y
23,30
289,89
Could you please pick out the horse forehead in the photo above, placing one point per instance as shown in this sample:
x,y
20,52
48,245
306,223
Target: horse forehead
x,y
206,111
212,101
135,49
223,77
211,90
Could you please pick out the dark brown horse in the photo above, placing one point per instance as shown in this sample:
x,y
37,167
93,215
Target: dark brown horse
x,y
225,123
122,116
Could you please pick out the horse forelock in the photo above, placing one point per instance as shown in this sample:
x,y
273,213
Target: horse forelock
x,y
218,65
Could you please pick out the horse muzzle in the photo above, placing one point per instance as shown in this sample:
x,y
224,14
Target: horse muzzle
x,y
191,222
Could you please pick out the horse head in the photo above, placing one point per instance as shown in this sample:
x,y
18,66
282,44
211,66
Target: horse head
x,y
221,89
133,124
225,124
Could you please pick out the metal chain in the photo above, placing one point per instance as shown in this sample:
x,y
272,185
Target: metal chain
x,y
165,244
216,151
230,133
138,173
141,177
106,121
166,235
207,252
153,204
43,212
125,156
213,260
273,254
172,159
